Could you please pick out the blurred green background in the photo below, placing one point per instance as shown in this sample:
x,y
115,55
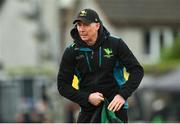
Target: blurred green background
x,y
34,34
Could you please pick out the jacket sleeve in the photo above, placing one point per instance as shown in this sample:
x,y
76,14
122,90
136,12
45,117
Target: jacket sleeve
x,y
133,67
65,77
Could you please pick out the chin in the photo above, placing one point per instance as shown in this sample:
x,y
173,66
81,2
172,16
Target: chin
x,y
84,39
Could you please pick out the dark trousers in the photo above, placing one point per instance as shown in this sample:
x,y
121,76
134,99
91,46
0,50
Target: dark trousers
x,y
85,117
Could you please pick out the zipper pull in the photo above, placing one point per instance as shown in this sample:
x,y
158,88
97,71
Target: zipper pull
x,y
92,53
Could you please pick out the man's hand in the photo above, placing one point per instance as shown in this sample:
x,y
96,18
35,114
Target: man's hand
x,y
116,103
96,98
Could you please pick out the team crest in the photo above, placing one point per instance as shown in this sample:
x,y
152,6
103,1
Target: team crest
x,y
108,53
83,13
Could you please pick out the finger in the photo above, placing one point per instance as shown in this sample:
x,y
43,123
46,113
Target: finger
x,y
97,103
116,107
111,105
119,107
101,98
100,94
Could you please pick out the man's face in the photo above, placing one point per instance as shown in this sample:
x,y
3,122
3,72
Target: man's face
x,y
88,32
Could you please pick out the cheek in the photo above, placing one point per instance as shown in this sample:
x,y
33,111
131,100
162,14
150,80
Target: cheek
x,y
91,32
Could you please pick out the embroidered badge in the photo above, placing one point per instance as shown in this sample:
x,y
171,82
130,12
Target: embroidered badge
x,y
108,53
83,13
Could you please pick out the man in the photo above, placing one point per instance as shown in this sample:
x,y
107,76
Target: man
x,y
98,60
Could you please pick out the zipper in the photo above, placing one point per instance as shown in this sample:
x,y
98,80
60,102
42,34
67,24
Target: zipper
x,y
100,57
88,62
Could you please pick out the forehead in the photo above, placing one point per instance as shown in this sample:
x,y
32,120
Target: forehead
x,y
87,24
81,22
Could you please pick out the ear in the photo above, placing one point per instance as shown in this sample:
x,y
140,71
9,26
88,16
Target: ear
x,y
97,26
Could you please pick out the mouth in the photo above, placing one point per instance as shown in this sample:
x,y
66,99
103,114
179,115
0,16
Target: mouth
x,y
83,36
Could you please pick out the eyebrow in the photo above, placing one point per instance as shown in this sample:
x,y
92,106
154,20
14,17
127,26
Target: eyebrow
x,y
78,23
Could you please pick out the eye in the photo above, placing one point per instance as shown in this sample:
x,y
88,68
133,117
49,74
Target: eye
x,y
78,24
86,24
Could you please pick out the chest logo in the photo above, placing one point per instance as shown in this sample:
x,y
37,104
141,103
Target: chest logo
x,y
108,53
79,57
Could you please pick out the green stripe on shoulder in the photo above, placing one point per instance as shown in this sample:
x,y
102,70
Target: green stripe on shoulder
x,y
71,45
